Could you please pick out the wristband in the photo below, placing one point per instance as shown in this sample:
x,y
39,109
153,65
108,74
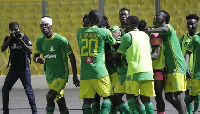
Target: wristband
x,y
36,59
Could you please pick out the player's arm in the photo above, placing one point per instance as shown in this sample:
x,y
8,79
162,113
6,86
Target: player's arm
x,y
26,45
38,59
155,52
76,81
126,41
158,30
36,56
6,43
187,59
187,56
70,54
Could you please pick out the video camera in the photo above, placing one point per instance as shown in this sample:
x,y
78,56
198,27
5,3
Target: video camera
x,y
18,34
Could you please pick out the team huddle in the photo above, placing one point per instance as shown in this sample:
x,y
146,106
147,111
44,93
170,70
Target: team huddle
x,y
131,59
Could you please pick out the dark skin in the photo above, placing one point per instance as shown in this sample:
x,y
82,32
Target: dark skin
x,y
144,99
175,98
187,59
192,25
158,84
12,36
123,15
95,22
48,33
86,22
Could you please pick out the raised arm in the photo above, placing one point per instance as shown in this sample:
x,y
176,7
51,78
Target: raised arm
x,y
6,43
157,30
26,47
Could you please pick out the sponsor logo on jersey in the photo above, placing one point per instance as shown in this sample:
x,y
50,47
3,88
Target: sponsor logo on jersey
x,y
51,49
89,60
50,56
16,46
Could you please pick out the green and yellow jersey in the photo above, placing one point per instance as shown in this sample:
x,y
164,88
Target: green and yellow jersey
x,y
184,41
156,40
174,58
91,43
136,46
55,51
194,46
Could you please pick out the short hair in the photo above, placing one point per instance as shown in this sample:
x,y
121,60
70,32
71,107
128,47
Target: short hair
x,y
192,16
84,17
104,22
167,17
94,15
12,24
124,9
46,16
134,20
142,25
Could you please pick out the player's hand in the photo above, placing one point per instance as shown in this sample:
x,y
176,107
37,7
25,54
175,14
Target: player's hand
x,y
189,73
41,60
76,81
12,34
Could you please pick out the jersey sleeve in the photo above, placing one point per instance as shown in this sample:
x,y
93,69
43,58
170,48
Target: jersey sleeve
x,y
192,44
109,38
39,45
27,40
125,43
67,47
167,34
155,39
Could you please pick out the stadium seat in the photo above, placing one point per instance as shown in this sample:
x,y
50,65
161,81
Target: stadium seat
x,y
31,10
53,9
56,28
174,13
65,29
68,21
34,69
182,6
76,8
56,21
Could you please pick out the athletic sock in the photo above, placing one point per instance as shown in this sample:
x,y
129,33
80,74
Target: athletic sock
x,y
142,109
86,109
124,108
106,106
196,103
149,108
113,110
96,108
188,106
50,110
133,106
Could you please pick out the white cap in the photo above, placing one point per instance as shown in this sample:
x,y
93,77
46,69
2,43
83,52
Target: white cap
x,y
46,20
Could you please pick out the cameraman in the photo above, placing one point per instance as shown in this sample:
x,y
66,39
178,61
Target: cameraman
x,y
20,50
